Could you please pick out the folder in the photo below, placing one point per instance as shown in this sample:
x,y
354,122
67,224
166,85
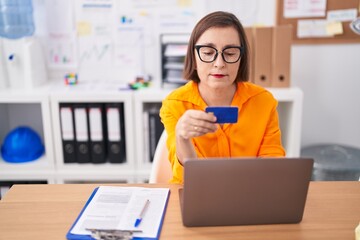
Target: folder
x,y
96,129
281,53
146,149
250,38
115,132
262,55
118,213
67,133
155,130
82,133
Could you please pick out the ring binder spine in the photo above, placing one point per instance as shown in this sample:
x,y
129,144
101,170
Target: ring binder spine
x,y
115,132
67,123
82,133
96,129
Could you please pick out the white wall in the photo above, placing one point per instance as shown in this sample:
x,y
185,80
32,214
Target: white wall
x,y
329,76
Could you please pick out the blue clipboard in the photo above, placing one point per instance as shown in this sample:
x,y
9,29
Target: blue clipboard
x,y
71,236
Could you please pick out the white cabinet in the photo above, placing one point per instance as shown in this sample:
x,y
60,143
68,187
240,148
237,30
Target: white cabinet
x,y
32,109
290,113
145,100
89,172
39,109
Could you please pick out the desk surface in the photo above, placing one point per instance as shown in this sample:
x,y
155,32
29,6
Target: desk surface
x,y
47,211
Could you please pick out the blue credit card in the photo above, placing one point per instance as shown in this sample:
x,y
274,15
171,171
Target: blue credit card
x,y
224,114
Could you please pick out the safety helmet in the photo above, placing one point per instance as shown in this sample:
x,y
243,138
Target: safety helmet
x,y
22,144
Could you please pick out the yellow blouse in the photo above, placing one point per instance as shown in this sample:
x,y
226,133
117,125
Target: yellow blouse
x,y
256,134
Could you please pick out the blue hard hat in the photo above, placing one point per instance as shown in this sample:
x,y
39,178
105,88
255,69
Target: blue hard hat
x,y
22,144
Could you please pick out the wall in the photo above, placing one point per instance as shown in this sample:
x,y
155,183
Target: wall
x,y
330,79
145,19
328,74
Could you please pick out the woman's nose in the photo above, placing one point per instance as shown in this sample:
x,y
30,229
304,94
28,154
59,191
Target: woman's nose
x,y
219,61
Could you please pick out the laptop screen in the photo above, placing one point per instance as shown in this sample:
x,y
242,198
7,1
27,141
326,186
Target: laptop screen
x,y
244,191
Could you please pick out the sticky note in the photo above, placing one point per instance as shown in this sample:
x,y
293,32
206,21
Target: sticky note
x,y
83,28
184,3
334,28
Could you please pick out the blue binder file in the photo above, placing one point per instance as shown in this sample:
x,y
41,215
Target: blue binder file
x,y
124,206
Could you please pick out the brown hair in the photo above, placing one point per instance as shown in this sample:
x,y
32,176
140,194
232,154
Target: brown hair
x,y
217,19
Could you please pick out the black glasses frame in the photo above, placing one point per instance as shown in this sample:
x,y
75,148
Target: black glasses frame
x,y
241,48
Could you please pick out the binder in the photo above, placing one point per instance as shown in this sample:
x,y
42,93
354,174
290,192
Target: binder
x,y
262,56
96,129
282,37
160,202
67,133
115,132
82,133
146,137
155,130
250,38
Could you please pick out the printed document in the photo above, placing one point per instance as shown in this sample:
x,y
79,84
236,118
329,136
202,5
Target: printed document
x,y
118,208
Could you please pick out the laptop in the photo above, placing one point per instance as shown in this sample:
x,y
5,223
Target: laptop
x,y
244,191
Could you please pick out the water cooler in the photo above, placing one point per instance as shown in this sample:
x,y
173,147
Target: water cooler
x,y
3,70
22,53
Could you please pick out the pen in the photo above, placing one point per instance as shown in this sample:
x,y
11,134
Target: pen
x,y
142,213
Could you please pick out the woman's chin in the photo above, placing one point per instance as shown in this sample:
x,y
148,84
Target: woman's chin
x,y
216,83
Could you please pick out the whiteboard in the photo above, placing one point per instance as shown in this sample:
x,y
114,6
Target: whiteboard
x,y
117,40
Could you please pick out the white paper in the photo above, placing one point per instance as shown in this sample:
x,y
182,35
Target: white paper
x,y
61,36
129,48
345,15
304,8
312,28
56,10
118,208
61,50
95,22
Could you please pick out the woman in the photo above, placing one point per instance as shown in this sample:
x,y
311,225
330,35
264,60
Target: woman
x,y
217,67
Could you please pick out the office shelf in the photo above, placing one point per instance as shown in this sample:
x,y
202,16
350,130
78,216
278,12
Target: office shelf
x,y
70,171
290,113
173,52
39,109
144,100
32,109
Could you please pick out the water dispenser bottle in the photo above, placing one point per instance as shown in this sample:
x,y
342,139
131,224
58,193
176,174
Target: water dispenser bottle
x,y
16,19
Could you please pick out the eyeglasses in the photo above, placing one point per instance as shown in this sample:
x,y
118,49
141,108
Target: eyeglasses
x,y
209,54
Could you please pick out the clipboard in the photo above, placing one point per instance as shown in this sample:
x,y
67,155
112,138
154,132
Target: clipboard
x,y
71,236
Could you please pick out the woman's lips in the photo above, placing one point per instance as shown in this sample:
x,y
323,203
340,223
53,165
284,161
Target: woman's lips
x,y
218,75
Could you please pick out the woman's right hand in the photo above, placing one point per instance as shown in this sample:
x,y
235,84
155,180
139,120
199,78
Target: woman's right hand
x,y
195,123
